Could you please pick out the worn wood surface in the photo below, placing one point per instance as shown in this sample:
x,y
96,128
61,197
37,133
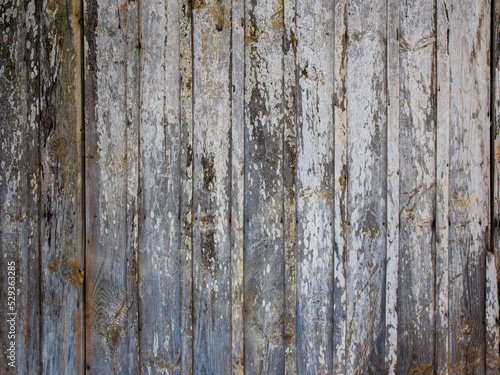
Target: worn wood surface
x,y
160,187
250,187
61,246
111,167
289,184
417,181
212,187
340,187
264,262
493,255
20,175
469,153
366,96
442,339
237,186
393,186
314,158
186,170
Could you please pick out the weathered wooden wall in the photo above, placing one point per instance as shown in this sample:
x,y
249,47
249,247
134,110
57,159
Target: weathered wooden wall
x,y
250,187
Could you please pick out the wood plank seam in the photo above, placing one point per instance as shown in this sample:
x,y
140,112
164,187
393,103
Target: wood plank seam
x,y
492,337
83,161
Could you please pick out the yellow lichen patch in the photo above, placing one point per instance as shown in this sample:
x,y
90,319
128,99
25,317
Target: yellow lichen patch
x,y
216,13
166,365
77,276
424,369
250,38
123,13
53,265
371,231
52,8
497,154
465,202
277,19
198,4
59,146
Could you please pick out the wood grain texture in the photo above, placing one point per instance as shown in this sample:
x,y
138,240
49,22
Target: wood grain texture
x,y
366,186
442,340
264,247
393,186
212,187
62,267
237,186
340,187
130,18
30,298
111,144
469,182
417,144
20,187
289,183
186,123
493,256
160,185
315,141
275,186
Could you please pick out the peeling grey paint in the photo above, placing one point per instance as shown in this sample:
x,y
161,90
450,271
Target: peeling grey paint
x,y
273,186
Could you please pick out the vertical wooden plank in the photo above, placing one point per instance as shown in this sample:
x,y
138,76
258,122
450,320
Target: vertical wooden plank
x,y
314,186
340,186
492,256
238,185
442,188
492,316
264,246
212,187
31,295
62,268
289,184
111,175
30,328
186,121
393,186
417,148
366,185
469,182
160,184
130,20
19,188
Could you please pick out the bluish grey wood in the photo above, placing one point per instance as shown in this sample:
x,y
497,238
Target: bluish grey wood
x,y
111,176
30,330
62,258
393,186
417,149
273,186
212,187
340,188
186,121
469,190
289,183
264,247
493,255
366,186
160,183
442,189
238,186
130,19
20,187
315,141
